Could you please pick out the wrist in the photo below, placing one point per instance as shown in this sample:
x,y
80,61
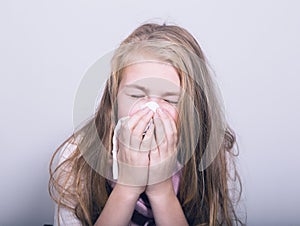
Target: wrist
x,y
161,190
129,192
164,200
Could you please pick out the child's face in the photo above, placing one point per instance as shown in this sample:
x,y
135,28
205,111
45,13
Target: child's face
x,y
148,81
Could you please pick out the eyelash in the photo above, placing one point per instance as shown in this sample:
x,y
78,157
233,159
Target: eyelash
x,y
171,102
137,96
142,96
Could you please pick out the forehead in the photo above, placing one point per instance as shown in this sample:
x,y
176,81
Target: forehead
x,y
155,72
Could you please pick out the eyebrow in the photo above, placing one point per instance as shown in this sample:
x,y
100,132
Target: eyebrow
x,y
137,87
147,90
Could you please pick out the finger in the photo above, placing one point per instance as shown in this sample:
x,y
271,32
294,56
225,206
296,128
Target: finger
x,y
160,136
172,120
170,109
123,134
128,124
134,119
169,130
138,131
154,153
168,124
148,137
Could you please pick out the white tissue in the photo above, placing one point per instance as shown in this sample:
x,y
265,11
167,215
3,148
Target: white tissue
x,y
153,106
115,147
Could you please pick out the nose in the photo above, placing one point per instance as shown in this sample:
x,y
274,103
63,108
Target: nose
x,y
155,99
171,109
152,105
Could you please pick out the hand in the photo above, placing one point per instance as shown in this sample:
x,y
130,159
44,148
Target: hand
x,y
133,153
163,158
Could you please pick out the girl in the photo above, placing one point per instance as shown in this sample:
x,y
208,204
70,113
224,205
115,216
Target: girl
x,y
158,150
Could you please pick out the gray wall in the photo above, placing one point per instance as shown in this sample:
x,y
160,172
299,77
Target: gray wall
x,y
46,46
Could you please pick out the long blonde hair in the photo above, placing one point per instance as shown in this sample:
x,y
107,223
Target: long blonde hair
x,y
208,171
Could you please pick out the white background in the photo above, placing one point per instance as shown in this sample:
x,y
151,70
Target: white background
x,y
46,46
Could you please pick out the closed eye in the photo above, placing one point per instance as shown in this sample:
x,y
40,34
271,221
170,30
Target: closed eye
x,y
171,101
137,96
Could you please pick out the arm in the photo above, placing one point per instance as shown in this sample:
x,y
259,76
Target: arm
x,y
132,172
120,206
165,205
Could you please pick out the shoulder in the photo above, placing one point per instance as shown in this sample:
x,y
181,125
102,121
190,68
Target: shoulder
x,y
68,149
65,217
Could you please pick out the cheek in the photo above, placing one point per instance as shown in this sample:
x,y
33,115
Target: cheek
x,y
128,106
124,106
